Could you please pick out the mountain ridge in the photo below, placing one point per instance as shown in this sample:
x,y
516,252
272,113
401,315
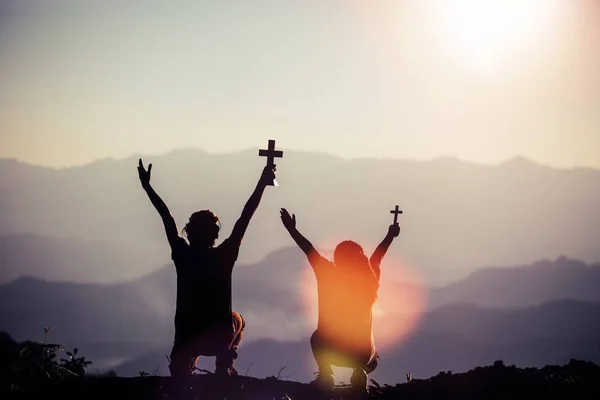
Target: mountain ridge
x,y
287,287
438,343
517,160
456,217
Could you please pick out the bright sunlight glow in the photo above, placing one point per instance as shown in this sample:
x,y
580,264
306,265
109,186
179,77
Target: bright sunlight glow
x,y
486,33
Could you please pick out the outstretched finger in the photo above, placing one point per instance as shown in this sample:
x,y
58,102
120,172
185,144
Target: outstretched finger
x,y
149,167
140,165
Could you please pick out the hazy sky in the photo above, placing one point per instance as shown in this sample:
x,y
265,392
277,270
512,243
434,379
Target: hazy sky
x,y
480,80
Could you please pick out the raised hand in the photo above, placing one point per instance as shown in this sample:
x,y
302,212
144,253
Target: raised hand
x,y
268,175
144,174
288,221
394,230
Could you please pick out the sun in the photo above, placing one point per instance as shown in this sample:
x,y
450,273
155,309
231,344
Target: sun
x,y
487,33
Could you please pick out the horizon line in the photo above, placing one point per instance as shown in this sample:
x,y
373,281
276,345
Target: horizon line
x,y
509,160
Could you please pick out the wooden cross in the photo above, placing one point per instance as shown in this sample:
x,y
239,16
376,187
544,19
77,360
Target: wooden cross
x,y
271,154
396,211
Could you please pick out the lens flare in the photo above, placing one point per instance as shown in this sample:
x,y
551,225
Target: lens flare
x,y
396,313
402,300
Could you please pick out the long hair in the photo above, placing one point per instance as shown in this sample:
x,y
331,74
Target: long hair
x,y
352,263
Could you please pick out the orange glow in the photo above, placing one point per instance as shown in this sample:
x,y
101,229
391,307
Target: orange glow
x,y
401,303
397,311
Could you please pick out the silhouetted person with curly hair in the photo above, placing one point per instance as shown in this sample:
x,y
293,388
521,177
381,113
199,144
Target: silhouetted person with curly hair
x,y
205,324
347,288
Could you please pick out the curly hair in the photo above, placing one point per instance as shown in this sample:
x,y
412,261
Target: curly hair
x,y
201,223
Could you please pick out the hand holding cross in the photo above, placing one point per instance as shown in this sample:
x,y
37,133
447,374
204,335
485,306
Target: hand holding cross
x,y
394,229
271,154
396,211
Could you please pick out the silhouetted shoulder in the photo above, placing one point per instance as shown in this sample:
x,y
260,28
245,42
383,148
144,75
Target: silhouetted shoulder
x,y
318,262
229,250
179,248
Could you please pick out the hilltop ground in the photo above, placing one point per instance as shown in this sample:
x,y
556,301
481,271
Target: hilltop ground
x,y
576,380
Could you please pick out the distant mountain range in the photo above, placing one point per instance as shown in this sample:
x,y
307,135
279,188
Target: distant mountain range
x,y
457,217
456,338
493,311
74,259
523,286
266,293
82,250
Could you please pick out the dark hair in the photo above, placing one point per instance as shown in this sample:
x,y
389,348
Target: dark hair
x,y
347,251
202,223
350,258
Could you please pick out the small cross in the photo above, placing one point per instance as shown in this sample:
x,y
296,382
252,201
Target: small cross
x,y
271,154
396,211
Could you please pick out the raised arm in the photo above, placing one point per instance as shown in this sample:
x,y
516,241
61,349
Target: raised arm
x,y
239,229
159,204
393,232
290,224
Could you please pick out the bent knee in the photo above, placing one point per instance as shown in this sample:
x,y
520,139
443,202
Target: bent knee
x,y
239,323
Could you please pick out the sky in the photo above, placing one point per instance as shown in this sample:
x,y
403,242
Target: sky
x,y
481,80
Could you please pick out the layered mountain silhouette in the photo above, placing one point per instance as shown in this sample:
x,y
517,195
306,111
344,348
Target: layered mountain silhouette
x,y
523,286
456,338
82,250
477,320
269,292
457,217
144,308
73,259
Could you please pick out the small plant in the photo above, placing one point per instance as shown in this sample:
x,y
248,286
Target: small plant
x,y
375,383
46,330
279,376
75,364
26,363
248,369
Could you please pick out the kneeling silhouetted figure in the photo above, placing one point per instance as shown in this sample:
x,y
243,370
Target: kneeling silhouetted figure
x,y
205,324
347,289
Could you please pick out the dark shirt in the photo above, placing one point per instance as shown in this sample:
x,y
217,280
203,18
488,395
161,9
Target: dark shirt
x,y
203,286
345,302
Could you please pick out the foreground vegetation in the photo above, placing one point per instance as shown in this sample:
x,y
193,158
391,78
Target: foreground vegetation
x,y
29,370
